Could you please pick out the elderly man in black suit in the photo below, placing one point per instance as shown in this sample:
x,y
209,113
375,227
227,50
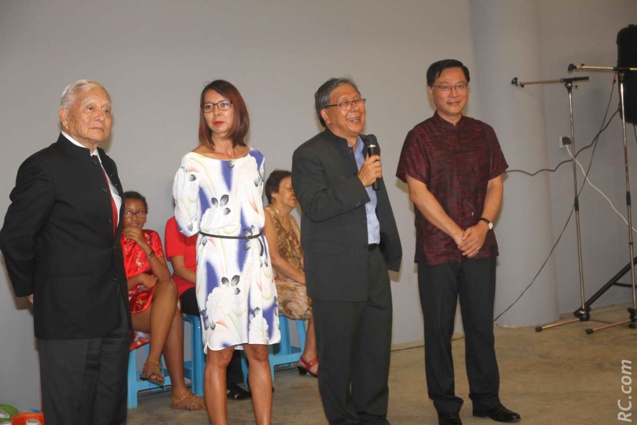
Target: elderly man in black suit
x,y
350,240
61,247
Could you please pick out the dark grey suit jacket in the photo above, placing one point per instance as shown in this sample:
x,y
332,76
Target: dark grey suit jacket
x,y
58,242
334,222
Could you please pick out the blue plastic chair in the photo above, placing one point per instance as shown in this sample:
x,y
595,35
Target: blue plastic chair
x,y
283,353
193,368
135,384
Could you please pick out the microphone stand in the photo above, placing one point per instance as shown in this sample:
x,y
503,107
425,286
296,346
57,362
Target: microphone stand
x,y
582,313
632,321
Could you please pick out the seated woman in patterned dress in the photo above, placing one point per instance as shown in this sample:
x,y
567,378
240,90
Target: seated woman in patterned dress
x,y
284,240
153,302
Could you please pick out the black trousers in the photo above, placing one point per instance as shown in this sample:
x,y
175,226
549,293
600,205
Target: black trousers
x,y
84,381
473,282
234,373
354,341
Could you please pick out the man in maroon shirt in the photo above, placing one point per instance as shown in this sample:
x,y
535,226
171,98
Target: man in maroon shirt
x,y
453,167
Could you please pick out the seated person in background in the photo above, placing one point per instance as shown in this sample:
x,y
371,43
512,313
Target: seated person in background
x,y
153,303
284,240
181,251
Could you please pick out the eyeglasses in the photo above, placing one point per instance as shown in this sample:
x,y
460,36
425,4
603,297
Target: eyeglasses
x,y
222,105
128,213
447,87
347,105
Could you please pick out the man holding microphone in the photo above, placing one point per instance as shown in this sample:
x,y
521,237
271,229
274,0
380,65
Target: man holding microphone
x,y
350,241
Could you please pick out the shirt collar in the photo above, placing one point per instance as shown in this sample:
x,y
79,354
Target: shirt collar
x,y
359,146
76,143
342,142
446,124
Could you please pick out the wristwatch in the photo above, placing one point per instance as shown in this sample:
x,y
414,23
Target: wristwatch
x,y
489,224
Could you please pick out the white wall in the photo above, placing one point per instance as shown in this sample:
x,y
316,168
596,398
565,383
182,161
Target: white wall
x,y
501,31
155,57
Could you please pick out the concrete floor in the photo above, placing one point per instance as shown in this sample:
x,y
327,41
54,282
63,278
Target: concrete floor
x,y
558,376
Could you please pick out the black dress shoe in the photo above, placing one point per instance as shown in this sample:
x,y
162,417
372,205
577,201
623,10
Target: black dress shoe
x,y
498,413
449,418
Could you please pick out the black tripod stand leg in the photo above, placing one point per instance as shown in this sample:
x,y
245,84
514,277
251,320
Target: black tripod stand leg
x,y
608,285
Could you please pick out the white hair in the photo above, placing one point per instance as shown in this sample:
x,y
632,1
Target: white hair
x,y
70,92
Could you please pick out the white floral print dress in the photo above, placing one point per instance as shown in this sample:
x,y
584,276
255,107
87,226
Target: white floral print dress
x,y
222,200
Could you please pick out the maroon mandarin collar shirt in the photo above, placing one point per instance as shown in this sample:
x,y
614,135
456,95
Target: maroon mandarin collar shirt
x,y
455,162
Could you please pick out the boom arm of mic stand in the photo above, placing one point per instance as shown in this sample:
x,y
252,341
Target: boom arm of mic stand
x,y
515,81
583,67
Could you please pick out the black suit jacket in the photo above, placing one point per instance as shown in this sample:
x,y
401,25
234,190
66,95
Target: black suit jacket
x,y
58,242
334,222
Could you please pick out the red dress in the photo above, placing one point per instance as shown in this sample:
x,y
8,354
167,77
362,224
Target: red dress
x,y
179,244
136,262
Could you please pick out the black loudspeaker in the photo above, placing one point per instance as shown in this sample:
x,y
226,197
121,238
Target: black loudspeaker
x,y
627,58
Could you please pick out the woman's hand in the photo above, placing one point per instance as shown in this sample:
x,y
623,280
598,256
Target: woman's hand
x,y
147,280
157,264
135,234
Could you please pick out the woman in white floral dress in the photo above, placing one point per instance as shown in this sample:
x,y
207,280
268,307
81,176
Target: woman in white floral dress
x,y
218,193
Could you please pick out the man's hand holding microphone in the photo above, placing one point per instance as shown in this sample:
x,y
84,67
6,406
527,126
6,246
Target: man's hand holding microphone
x,y
372,169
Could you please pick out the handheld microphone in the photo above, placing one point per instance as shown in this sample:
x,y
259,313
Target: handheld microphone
x,y
371,147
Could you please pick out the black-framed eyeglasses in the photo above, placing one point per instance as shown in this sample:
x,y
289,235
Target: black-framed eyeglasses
x,y
222,105
447,87
347,105
139,214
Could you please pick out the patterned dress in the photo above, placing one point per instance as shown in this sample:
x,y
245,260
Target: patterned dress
x,y
222,200
293,300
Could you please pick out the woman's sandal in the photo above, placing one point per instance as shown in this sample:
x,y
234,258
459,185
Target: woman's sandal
x,y
235,392
188,402
308,367
152,373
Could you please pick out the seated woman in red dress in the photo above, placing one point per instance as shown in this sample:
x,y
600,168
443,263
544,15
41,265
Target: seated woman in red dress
x,y
153,303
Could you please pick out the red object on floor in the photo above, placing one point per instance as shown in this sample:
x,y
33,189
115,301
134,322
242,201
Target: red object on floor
x,y
21,418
